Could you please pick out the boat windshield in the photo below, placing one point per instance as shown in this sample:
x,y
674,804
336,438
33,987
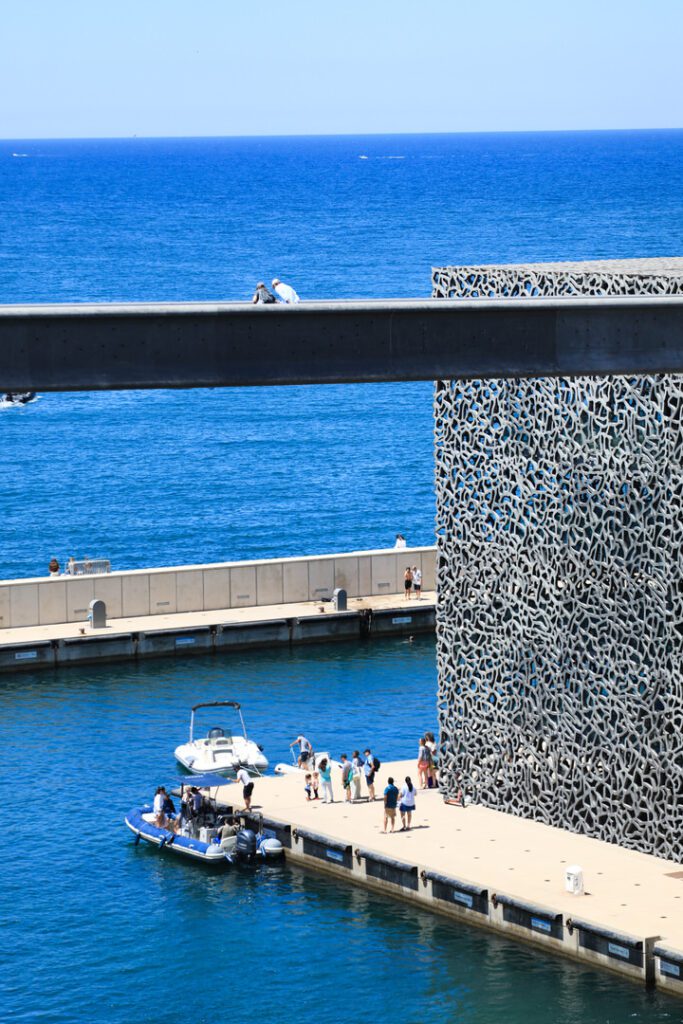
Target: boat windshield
x,y
215,733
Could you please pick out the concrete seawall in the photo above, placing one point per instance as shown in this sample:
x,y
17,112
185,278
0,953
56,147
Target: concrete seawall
x,y
195,588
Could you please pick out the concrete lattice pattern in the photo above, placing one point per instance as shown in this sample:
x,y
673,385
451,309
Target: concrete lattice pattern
x,y
526,280
560,621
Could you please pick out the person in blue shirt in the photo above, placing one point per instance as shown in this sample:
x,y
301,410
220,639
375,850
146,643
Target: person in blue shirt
x,y
390,802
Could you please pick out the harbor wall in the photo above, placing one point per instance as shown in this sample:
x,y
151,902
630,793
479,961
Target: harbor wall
x,y
196,588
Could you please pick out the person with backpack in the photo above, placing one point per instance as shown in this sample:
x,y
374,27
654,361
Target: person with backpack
x,y
424,763
371,767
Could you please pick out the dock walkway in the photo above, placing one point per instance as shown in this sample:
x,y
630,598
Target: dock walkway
x,y
183,633
493,870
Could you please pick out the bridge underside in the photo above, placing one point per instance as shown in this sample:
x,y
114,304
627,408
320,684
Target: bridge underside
x,y
560,579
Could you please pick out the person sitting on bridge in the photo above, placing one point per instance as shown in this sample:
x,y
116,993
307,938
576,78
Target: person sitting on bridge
x,y
285,292
262,296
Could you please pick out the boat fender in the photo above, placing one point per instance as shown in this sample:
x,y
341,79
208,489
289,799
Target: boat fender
x,y
162,842
137,838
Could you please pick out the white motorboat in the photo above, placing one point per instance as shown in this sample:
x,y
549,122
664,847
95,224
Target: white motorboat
x,y
220,750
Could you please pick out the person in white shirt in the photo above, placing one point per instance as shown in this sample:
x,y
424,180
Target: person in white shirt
x,y
417,581
400,541
247,787
159,815
285,291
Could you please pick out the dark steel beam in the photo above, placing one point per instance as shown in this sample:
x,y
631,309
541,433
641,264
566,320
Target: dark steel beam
x,y
173,345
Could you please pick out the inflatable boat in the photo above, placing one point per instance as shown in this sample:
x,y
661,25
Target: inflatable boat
x,y
211,835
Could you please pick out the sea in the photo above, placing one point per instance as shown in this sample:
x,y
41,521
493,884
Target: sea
x,y
92,928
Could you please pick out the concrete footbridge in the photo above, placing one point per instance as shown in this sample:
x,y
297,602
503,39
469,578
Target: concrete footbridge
x,y
215,344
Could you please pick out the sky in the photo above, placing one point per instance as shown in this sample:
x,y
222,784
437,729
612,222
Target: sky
x,y
73,69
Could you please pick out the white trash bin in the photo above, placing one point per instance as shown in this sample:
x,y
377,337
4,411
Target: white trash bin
x,y
573,880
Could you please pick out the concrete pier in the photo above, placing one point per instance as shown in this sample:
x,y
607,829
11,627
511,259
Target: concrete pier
x,y
491,870
199,609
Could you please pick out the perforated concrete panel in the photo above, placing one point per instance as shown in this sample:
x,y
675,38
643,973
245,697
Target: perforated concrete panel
x,y
560,616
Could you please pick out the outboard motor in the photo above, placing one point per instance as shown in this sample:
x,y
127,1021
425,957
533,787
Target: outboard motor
x,y
245,846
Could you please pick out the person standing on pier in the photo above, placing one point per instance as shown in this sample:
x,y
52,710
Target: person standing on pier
x,y
390,801
407,805
247,787
417,581
325,772
424,763
407,582
370,768
347,775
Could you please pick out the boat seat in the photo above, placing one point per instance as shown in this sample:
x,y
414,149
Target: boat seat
x,y
228,844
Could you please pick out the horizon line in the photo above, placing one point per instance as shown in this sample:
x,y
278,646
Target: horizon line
x,y
333,135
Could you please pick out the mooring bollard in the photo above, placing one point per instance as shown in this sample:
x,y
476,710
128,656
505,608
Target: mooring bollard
x,y
339,599
98,614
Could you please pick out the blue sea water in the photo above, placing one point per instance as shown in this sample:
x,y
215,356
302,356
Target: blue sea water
x,y
93,929
199,476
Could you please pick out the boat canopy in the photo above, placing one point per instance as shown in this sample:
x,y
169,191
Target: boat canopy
x,y
217,704
206,781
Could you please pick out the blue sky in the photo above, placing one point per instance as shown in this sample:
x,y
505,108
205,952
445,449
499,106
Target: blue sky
x,y
223,67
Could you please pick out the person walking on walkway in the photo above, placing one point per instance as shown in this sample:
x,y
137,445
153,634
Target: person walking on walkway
x,y
247,787
390,801
325,772
407,582
285,292
407,805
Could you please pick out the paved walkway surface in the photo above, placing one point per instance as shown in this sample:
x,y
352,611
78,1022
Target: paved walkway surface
x,y
625,891
189,620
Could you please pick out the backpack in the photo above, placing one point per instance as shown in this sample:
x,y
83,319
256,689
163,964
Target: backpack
x,y
376,764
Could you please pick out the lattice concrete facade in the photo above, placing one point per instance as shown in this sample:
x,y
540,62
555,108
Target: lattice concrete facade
x,y
560,579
